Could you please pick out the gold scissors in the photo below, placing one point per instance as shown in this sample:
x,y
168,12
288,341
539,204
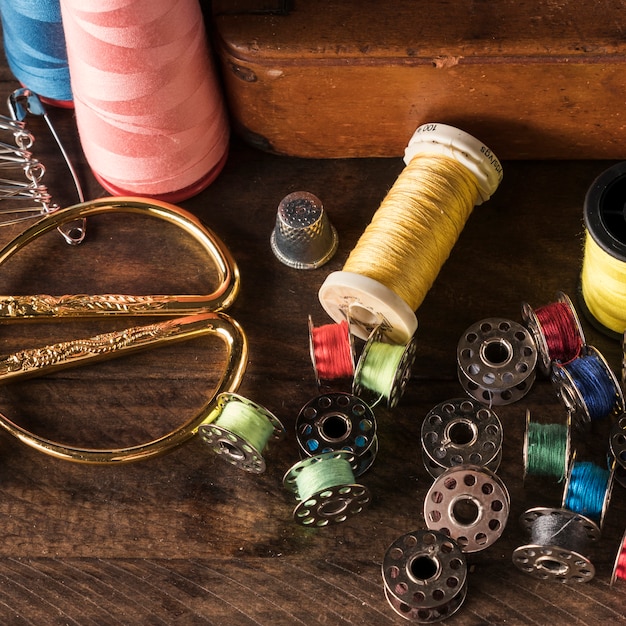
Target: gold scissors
x,y
187,316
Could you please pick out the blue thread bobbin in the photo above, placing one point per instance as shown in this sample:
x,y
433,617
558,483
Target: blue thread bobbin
x,y
396,387
470,504
338,421
424,576
496,361
590,499
461,431
588,388
233,445
559,539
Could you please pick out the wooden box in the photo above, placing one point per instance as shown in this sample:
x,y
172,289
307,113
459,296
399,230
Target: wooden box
x,y
542,79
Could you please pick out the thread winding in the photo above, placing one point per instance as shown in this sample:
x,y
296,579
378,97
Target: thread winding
x,y
150,115
332,351
547,446
587,489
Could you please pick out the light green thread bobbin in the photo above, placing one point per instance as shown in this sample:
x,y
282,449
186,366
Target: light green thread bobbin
x,y
325,488
238,430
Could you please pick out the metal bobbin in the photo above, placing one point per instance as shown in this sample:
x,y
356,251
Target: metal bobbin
x,y
618,572
617,448
330,504
338,421
544,360
461,431
558,557
496,361
402,374
570,395
470,504
425,576
231,446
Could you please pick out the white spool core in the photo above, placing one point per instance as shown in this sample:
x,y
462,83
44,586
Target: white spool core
x,y
366,303
459,145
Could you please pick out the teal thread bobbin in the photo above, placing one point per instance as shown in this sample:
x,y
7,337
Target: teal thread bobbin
x,y
547,449
588,490
383,369
325,488
238,430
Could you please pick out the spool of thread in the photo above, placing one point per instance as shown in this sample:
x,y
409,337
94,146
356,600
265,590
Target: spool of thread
x,y
402,250
603,274
326,490
496,361
588,388
470,504
238,430
559,542
150,114
383,369
425,576
546,449
588,490
556,330
461,431
338,421
619,566
332,351
34,46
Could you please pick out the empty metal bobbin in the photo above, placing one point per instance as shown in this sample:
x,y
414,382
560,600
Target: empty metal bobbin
x,y
238,430
470,504
461,431
559,540
424,576
338,421
325,489
617,447
496,361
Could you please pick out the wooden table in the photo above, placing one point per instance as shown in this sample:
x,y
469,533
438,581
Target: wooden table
x,y
186,538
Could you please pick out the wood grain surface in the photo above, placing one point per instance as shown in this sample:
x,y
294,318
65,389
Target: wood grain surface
x,y
188,539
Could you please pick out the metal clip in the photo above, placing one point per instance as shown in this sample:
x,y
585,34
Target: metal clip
x,y
34,199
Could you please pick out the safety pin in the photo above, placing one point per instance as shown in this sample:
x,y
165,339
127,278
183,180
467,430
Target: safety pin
x,y
22,102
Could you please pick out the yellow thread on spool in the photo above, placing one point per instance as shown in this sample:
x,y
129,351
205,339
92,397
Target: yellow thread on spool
x,y
401,252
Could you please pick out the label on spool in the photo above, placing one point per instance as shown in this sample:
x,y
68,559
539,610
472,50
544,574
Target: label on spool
x,y
367,304
466,149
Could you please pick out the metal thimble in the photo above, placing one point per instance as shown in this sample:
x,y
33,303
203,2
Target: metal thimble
x,y
303,237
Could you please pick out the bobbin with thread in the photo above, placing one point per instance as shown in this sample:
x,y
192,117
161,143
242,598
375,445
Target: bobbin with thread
x,y
547,449
338,421
619,565
587,387
325,488
239,430
559,545
332,352
424,576
470,504
602,291
588,490
383,369
461,431
496,361
557,331
388,274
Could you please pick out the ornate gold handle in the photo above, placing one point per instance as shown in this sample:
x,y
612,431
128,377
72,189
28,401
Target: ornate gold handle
x,y
39,361
19,308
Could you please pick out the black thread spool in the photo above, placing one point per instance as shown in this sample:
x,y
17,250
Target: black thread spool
x,y
368,389
496,361
338,421
461,431
470,504
559,541
425,576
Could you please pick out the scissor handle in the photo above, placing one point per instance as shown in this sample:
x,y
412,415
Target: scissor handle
x,y
39,361
25,307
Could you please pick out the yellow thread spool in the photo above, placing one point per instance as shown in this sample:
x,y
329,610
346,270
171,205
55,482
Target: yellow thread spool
x,y
603,275
402,250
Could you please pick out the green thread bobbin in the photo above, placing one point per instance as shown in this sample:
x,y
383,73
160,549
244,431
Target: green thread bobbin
x,y
325,489
238,430
547,449
383,369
